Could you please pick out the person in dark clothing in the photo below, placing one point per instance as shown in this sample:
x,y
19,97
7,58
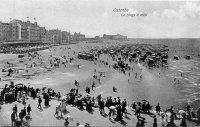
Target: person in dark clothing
x,y
138,124
39,102
115,102
183,121
21,116
148,107
93,85
144,107
101,106
66,122
158,109
29,109
119,101
155,122
15,109
134,106
119,113
13,119
18,123
137,112
124,111
110,103
24,111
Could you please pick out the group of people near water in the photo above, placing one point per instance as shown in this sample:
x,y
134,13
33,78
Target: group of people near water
x,y
117,108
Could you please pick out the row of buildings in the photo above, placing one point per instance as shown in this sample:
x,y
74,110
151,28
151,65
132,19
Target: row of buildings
x,y
115,37
17,30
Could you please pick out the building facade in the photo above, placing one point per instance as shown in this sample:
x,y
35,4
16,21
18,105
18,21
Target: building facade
x,y
65,37
54,36
5,31
18,30
27,31
115,37
78,37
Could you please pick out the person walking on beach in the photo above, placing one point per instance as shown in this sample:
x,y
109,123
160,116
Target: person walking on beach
x,y
124,110
60,109
158,109
18,123
15,109
66,122
29,109
13,118
183,121
155,122
56,112
39,102
93,85
21,116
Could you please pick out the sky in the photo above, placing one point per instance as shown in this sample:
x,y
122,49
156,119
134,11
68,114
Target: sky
x,y
155,19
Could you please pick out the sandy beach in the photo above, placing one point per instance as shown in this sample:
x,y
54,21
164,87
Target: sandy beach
x,y
156,86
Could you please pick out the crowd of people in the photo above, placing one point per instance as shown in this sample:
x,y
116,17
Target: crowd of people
x,y
23,47
117,107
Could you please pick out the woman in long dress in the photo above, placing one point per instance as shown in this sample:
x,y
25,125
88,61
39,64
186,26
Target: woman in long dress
x,y
183,121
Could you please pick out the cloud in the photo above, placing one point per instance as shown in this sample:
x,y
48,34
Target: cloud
x,y
186,11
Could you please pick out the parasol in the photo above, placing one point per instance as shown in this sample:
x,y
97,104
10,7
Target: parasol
x,y
181,112
69,117
168,113
63,98
112,107
81,125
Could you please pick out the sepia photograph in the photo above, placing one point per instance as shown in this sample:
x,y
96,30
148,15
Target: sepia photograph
x,y
99,63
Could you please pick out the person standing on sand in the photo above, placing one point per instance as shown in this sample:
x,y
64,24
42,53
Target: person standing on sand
x,y
158,109
183,121
66,122
155,121
13,118
56,112
39,102
29,109
93,85
15,109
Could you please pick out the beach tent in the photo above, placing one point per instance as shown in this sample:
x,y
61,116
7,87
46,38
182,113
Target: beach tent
x,y
21,55
176,57
187,57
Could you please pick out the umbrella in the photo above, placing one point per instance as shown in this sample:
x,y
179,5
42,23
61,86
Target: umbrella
x,y
112,107
63,98
168,113
69,117
181,112
81,125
